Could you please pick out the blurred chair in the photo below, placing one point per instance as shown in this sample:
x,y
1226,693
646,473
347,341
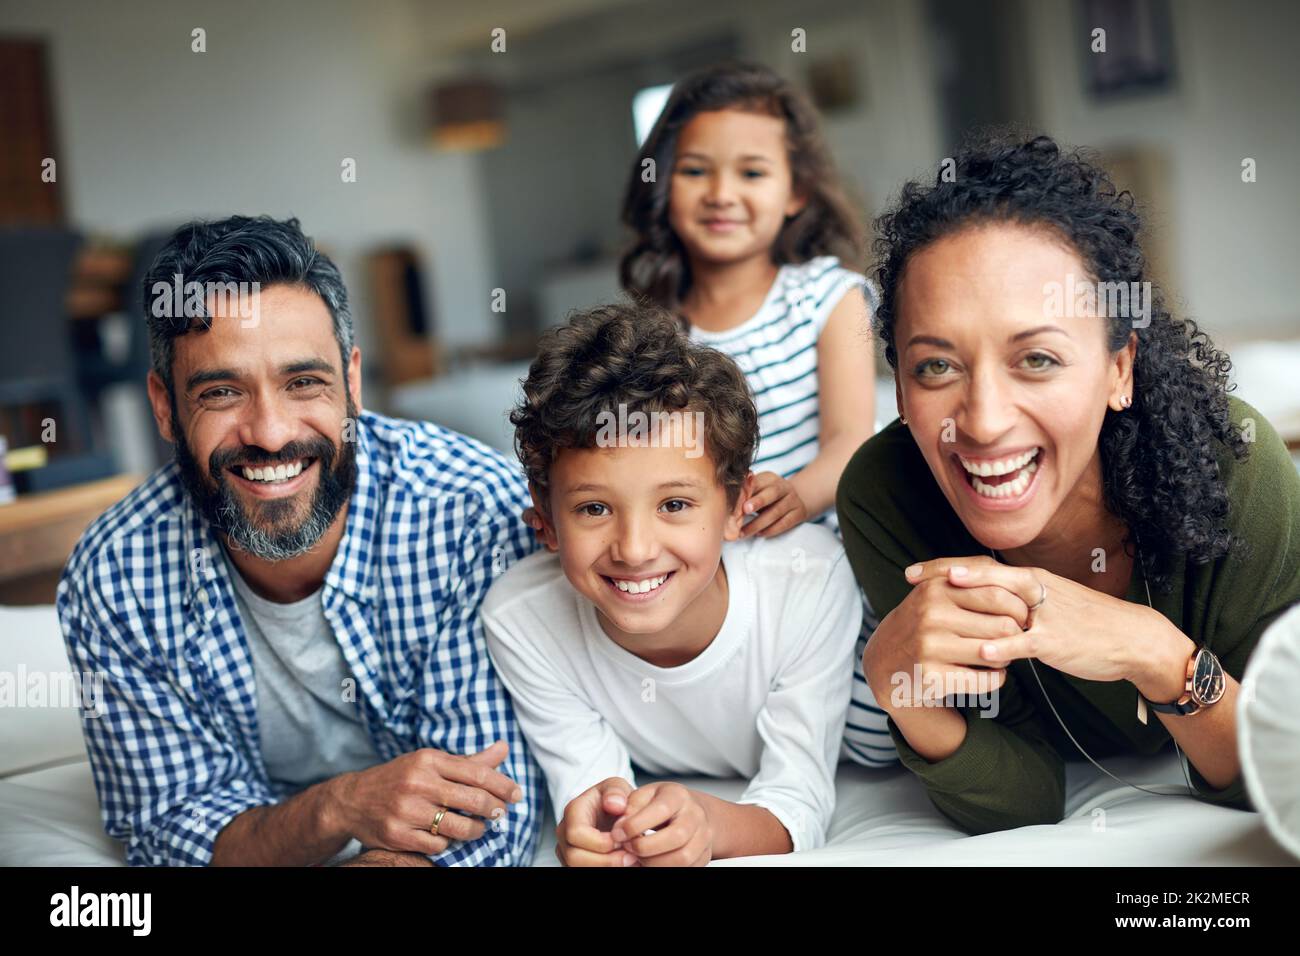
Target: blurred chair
x,y
408,346
98,369
113,380
38,370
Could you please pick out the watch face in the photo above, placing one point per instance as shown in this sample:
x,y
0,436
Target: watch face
x,y
1207,678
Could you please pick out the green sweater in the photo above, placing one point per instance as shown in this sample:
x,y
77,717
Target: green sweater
x,y
1009,771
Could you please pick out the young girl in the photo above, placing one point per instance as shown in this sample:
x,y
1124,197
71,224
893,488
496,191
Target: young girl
x,y
741,227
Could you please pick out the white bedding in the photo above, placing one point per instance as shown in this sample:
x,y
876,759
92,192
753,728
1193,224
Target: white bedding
x,y
49,814
50,818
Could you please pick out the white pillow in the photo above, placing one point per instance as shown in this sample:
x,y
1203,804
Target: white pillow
x,y
1268,729
51,818
35,675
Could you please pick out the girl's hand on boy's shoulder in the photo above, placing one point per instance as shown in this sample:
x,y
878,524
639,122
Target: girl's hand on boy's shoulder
x,y
583,838
666,825
775,504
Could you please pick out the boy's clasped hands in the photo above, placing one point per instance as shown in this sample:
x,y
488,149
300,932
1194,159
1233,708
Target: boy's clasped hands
x,y
612,824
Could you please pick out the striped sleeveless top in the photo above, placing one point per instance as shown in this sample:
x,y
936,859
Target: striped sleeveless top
x,y
777,351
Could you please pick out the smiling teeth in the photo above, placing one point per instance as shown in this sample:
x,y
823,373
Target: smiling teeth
x,y
640,587
988,469
273,474
1009,489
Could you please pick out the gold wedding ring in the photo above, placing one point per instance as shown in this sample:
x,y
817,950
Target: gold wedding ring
x,y
437,820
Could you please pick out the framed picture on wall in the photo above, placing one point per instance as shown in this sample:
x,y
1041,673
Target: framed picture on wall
x,y
1134,54
833,82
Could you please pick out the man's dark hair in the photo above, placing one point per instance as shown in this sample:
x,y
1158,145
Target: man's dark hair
x,y
637,356
239,249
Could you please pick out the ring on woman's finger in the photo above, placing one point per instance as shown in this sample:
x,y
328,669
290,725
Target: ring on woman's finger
x,y
1042,599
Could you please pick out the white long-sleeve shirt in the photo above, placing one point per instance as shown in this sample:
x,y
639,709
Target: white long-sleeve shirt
x,y
765,700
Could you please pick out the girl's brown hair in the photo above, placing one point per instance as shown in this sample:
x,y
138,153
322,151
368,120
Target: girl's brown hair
x,y
656,266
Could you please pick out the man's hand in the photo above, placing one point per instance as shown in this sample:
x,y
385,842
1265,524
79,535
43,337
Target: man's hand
x,y
683,834
392,806
582,837
387,858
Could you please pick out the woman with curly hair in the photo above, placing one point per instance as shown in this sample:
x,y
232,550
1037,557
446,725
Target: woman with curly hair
x,y
1081,535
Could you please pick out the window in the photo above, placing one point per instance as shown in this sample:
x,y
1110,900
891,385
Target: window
x,y
646,107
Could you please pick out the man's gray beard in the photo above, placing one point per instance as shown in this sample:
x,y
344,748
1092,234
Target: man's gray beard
x,y
224,511
243,535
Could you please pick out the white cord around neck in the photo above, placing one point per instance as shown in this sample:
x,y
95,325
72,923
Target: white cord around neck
x,y
1182,762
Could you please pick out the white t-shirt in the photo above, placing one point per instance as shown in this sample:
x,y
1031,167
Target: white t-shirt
x,y
765,700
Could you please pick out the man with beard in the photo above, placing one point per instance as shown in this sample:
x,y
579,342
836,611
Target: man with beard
x,y
286,616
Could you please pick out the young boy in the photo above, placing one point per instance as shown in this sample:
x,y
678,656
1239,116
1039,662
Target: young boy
x,y
648,632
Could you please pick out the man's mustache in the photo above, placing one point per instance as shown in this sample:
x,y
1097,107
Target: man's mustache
x,y
253,456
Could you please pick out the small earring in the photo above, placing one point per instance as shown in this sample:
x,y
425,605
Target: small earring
x,y
1125,401
902,419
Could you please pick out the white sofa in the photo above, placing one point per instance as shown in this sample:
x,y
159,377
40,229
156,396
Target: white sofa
x,y
49,813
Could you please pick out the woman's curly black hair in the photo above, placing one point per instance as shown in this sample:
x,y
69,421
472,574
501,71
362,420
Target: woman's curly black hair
x,y
1160,457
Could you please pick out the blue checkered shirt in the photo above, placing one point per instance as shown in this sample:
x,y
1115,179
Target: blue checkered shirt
x,y
146,601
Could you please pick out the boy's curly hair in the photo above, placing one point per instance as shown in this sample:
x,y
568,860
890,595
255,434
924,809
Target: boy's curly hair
x,y
637,356
1160,457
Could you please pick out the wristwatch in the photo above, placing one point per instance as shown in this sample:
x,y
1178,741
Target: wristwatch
x,y
1205,686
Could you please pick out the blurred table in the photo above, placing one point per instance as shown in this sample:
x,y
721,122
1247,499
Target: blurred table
x,y
38,531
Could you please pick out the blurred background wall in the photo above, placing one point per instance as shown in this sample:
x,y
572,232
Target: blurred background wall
x,y
522,194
